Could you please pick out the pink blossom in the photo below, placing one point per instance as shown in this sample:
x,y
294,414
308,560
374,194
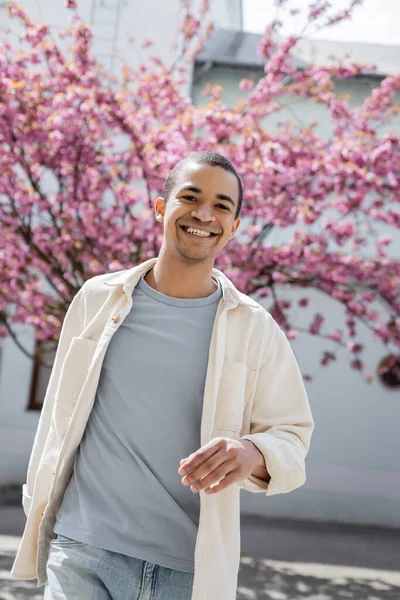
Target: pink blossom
x,y
384,240
357,364
107,146
303,302
246,84
335,336
316,325
292,334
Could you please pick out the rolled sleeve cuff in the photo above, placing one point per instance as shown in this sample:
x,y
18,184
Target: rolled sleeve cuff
x,y
281,480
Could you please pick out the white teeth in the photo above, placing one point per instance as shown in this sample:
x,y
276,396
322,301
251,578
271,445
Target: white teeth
x,y
198,232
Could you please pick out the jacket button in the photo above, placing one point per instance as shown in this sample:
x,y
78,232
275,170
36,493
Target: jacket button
x,y
53,471
116,318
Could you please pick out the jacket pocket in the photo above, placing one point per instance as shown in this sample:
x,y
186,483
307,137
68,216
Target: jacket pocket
x,y
61,418
75,368
231,396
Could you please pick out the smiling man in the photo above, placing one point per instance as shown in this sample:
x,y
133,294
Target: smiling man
x,y
200,211
170,392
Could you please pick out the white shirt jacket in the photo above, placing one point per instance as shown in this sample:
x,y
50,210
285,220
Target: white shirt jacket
x,y
253,389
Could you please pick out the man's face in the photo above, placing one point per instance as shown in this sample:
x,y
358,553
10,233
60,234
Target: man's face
x,y
208,209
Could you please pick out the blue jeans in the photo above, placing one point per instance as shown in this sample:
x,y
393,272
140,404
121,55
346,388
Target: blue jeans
x,y
77,571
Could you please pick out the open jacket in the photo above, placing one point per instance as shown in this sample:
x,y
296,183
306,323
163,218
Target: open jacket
x,y
253,389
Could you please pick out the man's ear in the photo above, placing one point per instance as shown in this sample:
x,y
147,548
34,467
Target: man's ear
x,y
236,227
160,208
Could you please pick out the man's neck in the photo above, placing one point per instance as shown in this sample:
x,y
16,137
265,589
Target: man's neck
x,y
181,281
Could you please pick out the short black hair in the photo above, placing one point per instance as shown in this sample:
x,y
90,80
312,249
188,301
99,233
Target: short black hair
x,y
202,158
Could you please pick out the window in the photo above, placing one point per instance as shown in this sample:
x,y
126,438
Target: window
x,y
43,364
389,371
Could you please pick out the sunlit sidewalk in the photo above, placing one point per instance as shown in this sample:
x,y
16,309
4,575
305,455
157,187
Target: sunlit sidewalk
x,y
259,579
280,580
280,561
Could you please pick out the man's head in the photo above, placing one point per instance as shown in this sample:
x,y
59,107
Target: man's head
x,y
204,192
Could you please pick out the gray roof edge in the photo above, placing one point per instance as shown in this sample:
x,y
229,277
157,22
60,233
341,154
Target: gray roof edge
x,y
239,48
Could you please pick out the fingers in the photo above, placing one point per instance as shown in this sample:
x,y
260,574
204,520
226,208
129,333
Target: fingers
x,y
204,469
215,476
212,468
224,483
191,463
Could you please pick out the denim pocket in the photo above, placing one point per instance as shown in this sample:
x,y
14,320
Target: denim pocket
x,y
62,540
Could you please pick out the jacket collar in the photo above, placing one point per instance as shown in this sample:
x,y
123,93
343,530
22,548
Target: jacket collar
x,y
130,277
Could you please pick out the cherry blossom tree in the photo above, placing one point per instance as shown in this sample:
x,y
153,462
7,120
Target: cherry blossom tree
x,y
84,155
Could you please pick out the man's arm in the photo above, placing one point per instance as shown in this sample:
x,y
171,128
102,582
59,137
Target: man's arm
x,y
281,420
261,473
259,470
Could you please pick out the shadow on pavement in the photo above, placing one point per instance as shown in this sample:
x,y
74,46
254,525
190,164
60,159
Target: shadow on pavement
x,y
14,589
258,580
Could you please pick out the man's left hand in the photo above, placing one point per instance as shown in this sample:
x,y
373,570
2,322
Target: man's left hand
x,y
220,463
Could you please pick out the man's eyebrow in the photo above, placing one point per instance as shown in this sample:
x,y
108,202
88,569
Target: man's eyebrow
x,y
193,188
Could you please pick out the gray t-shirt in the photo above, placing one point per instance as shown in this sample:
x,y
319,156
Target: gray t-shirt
x,y
125,493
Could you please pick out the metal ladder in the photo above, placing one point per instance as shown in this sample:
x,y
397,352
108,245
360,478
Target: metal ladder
x,y
113,8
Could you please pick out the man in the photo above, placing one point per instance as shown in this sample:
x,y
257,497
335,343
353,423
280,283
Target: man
x,y
170,392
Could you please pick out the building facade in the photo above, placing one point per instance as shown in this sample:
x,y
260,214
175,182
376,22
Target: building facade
x,y
353,472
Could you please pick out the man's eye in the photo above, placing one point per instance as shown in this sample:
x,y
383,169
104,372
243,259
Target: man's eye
x,y
193,198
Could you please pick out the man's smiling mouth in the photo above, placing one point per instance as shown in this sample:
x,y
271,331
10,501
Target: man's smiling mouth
x,y
197,233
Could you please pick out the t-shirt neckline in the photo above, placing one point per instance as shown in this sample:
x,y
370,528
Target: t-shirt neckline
x,y
183,302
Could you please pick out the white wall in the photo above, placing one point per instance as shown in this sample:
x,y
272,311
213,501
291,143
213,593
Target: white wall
x,y
17,424
353,471
155,19
118,21
353,474
353,468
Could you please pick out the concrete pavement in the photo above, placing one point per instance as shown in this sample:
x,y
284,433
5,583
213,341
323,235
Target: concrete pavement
x,y
280,561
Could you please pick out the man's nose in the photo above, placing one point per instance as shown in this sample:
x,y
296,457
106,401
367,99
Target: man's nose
x,y
203,213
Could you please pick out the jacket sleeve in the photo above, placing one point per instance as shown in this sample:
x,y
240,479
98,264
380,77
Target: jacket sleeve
x,y
72,326
281,421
